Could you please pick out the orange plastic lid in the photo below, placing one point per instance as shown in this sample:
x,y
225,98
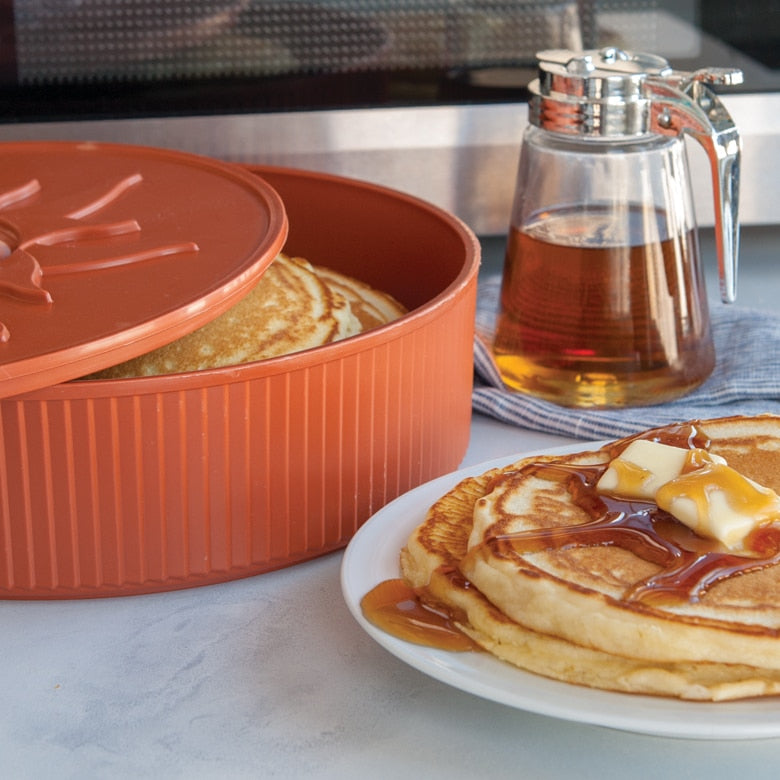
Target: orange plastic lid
x,y
108,251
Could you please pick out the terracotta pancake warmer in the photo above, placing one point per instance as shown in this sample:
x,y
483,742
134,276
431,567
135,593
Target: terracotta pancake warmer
x,y
156,483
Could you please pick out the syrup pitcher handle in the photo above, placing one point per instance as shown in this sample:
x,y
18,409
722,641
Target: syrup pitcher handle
x,y
685,104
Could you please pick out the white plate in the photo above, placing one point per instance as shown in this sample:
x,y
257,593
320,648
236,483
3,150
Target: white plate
x,y
372,556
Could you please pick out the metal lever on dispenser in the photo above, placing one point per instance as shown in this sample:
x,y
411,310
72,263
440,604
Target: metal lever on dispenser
x,y
683,103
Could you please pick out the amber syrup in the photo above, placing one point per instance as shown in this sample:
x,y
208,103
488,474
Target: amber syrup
x,y
587,321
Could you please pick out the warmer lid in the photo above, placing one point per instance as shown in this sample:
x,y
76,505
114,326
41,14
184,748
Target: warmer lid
x,y
108,251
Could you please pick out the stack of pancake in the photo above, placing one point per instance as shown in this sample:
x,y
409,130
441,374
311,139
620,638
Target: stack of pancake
x,y
546,573
294,306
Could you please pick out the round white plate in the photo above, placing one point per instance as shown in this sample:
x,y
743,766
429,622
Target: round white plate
x,y
372,556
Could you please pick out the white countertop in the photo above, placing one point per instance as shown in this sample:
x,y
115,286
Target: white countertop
x,y
271,676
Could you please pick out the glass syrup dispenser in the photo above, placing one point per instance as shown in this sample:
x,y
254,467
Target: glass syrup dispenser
x,y
603,301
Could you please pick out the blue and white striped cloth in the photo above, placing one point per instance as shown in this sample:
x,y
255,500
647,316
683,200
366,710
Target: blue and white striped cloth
x,y
746,380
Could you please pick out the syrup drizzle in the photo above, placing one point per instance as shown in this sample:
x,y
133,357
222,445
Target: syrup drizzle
x,y
690,564
403,612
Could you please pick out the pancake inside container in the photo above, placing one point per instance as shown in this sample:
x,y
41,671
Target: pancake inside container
x,y
121,487
547,574
294,306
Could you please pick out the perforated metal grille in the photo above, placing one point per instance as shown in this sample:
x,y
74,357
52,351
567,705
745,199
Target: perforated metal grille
x,y
83,41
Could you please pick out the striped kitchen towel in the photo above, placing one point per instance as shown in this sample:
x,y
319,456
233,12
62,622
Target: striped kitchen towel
x,y
746,380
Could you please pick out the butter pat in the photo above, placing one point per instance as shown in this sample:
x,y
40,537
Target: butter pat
x,y
644,466
718,502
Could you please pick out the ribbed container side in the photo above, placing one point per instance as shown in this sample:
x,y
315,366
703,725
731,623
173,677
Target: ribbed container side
x,y
141,485
146,492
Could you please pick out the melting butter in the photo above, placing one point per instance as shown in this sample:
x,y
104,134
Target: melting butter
x,y
644,466
697,487
719,502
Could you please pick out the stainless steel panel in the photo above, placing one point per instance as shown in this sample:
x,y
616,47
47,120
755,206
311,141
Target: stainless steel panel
x,y
462,158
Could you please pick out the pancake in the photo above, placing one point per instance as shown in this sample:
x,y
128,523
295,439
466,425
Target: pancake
x,y
293,307
582,611
372,307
